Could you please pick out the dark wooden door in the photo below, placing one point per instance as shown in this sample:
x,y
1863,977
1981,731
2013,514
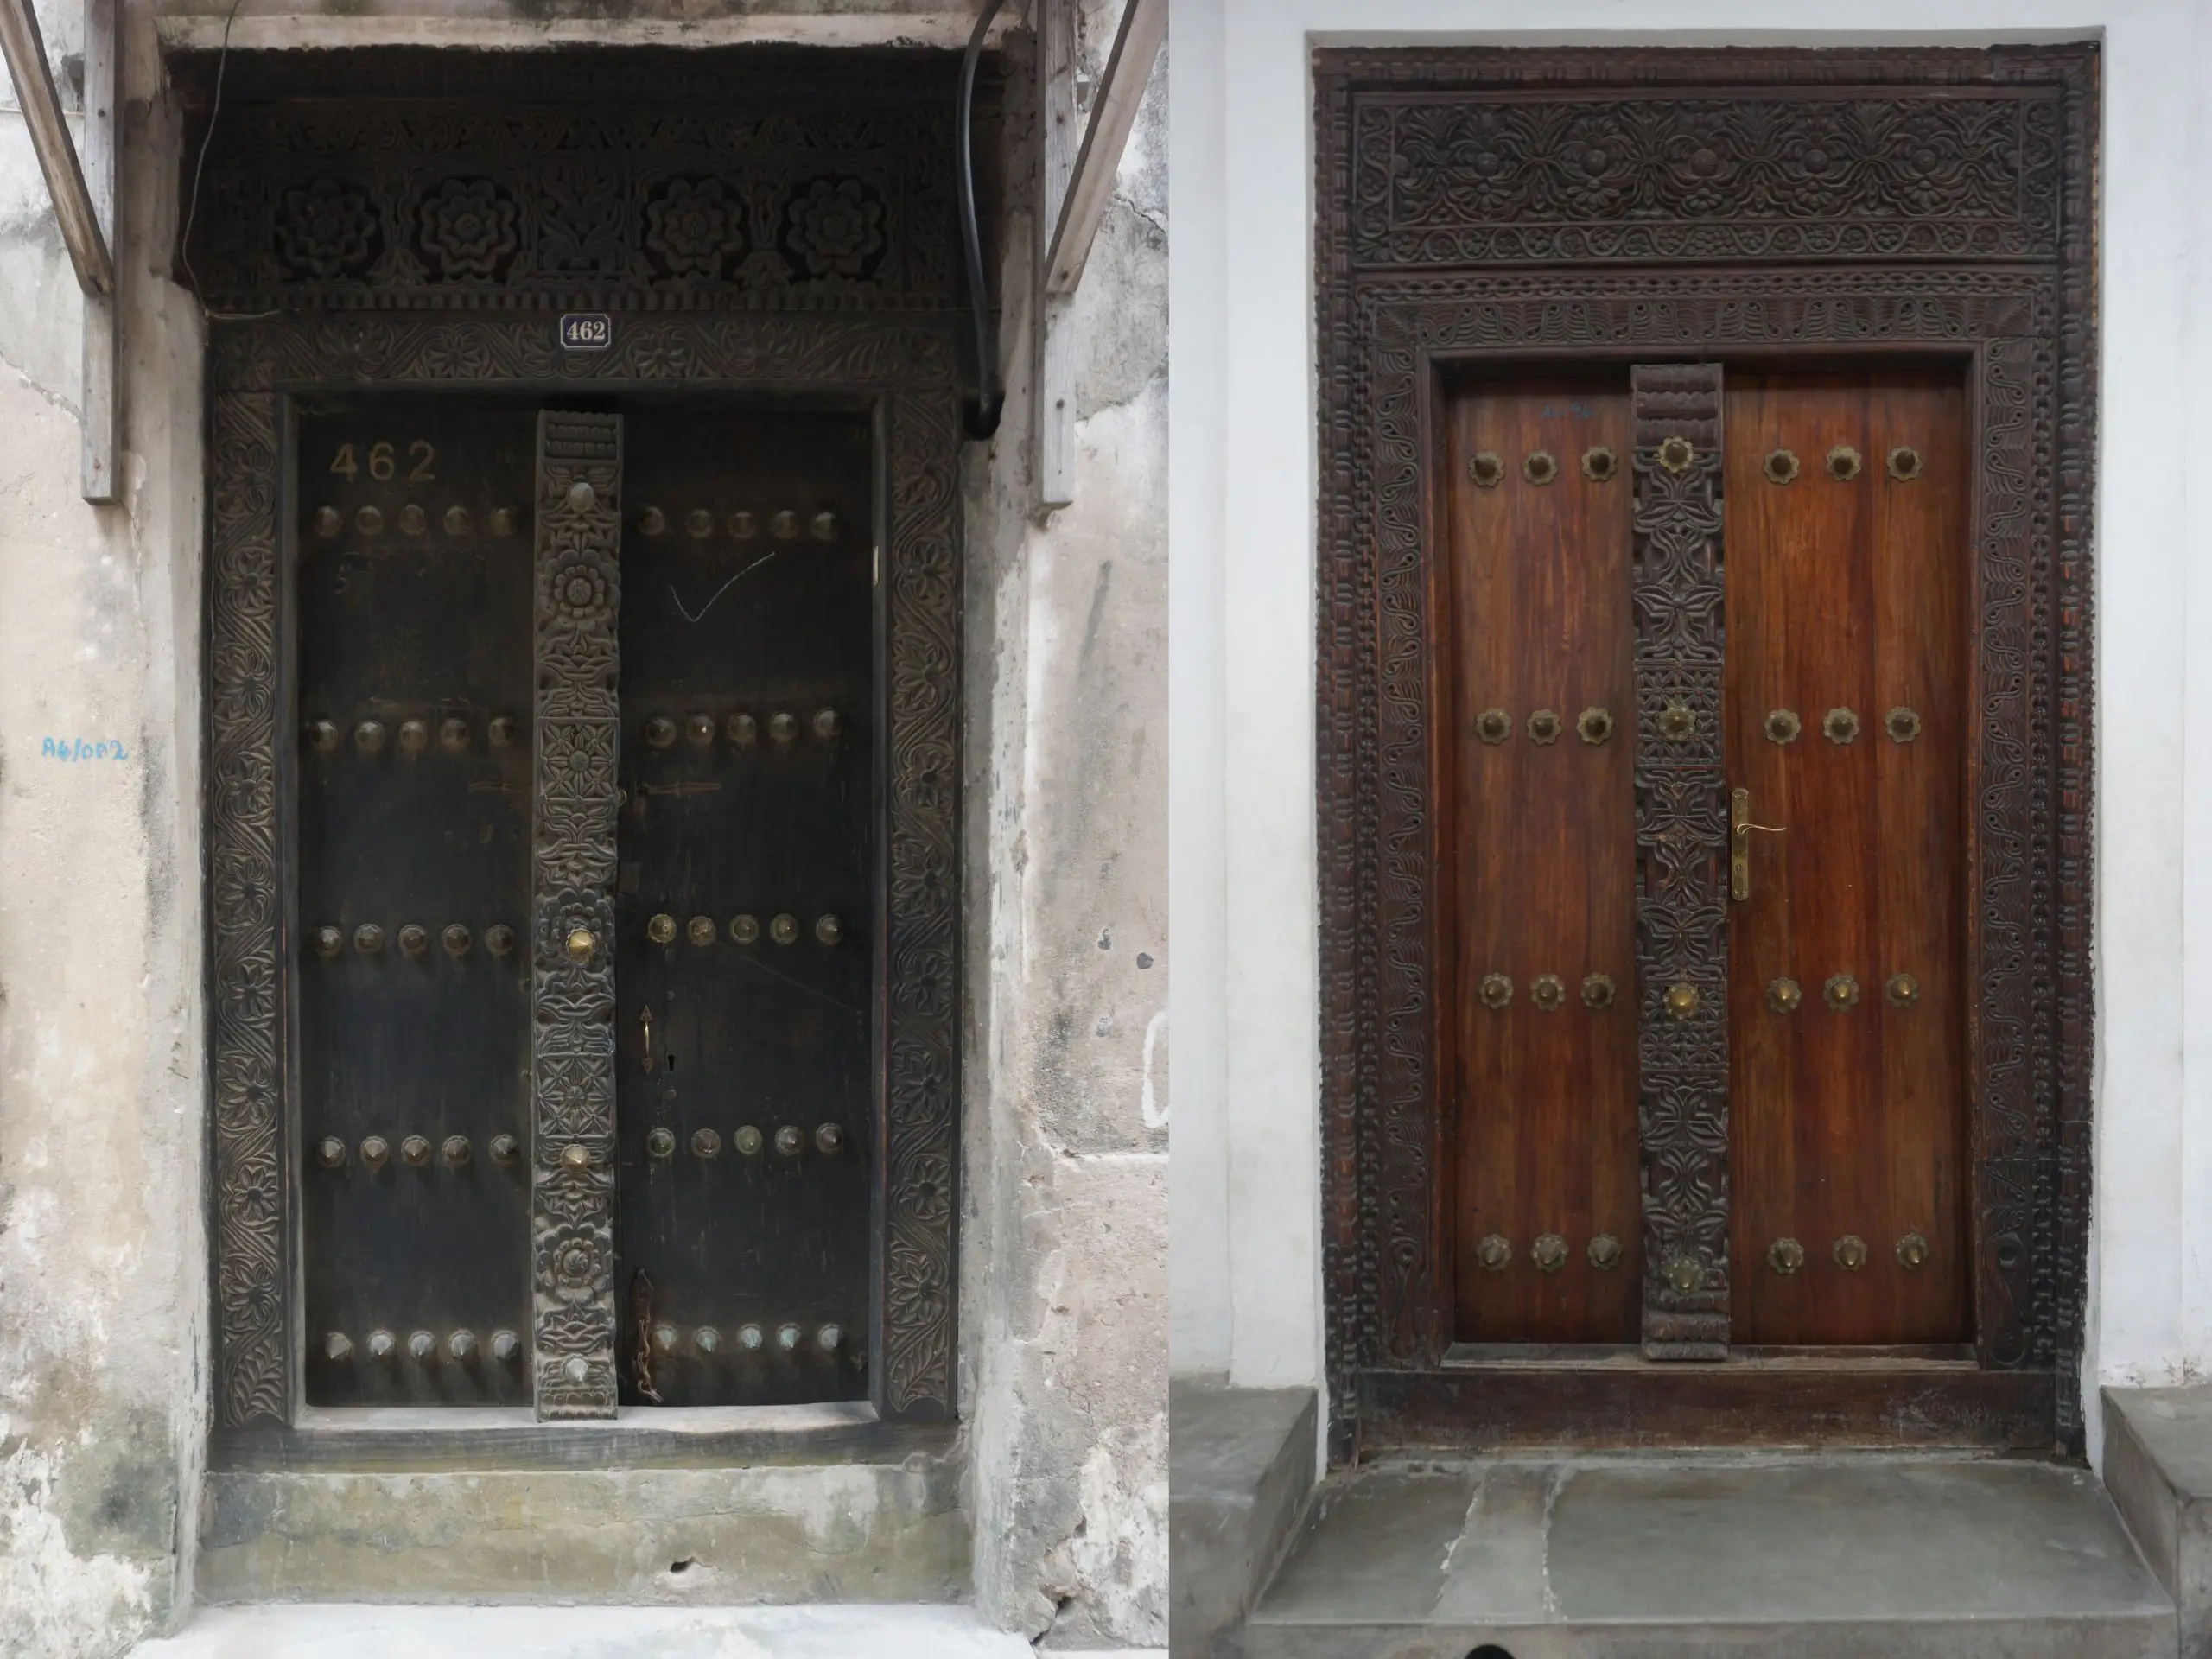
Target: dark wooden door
x,y
1845,714
745,907
1538,843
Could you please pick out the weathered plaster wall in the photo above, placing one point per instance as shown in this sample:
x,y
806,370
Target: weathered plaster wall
x,y
1065,1299
101,1295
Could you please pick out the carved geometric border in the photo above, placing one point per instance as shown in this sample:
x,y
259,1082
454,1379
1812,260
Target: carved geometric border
x,y
2029,333
906,370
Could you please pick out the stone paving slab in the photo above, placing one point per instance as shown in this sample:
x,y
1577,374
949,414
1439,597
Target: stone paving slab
x,y
1622,1558
355,1630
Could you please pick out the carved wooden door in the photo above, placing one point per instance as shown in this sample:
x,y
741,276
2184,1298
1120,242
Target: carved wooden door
x,y
1704,841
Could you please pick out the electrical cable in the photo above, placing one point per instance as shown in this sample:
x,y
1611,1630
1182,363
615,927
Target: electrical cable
x,y
990,398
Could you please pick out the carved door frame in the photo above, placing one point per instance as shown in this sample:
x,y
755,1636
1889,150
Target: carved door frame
x,y
1957,224
279,340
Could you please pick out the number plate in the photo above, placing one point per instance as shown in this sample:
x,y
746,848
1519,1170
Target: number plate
x,y
587,331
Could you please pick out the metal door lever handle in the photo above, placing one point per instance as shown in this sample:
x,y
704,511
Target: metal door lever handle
x,y
1739,841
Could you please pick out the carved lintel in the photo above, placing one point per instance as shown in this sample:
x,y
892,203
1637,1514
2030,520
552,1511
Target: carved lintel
x,y
1681,844
572,874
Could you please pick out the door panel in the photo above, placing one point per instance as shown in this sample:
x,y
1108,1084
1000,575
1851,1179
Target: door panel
x,y
413,819
1846,601
1540,844
745,909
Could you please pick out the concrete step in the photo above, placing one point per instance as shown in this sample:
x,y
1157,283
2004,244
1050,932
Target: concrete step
x,y
1240,1463
1631,1558
2158,1464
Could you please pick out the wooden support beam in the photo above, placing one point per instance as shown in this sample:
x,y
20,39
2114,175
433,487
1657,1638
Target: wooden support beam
x,y
21,43
1113,112
102,416
1057,123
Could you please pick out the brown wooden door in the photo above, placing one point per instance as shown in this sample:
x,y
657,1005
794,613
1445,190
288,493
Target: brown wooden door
x,y
1846,713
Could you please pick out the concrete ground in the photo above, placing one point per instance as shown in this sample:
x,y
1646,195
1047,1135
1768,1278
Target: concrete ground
x,y
356,1630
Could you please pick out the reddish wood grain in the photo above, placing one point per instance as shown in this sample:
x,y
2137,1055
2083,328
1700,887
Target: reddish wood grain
x,y
1539,842
1849,595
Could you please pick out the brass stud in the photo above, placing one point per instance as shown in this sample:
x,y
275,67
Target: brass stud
x,y
829,1338
1902,991
784,526
1785,1257
506,1148
580,944
661,930
1841,726
503,521
1902,724
1494,1253
457,521
828,722
462,1345
576,1155
501,731
1682,1001
413,521
783,728
338,1347
328,941
743,729
368,938
1904,463
322,734
651,521
499,939
1676,454
1486,469
1783,725
414,939
421,1345
1850,1252
749,1337
1594,725
1843,463
327,522
331,1152
1677,722
1541,468
1840,993
1605,1253
1597,990
829,929
1600,464
1780,466
699,523
788,1337
823,527
701,930
1784,995
699,728
368,736
581,497
790,1141
660,732
1548,1253
504,1345
707,1339
455,939
664,1338
743,526
1493,724
746,1141
1548,992
660,1143
374,1150
415,1151
1544,727
745,930
453,734
369,521
829,1140
784,929
1496,991
1685,1275
456,1150
381,1344
705,1144
1912,1252
414,736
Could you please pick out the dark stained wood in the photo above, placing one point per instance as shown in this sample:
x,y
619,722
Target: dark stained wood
x,y
1849,596
1840,1403
1540,842
365,1441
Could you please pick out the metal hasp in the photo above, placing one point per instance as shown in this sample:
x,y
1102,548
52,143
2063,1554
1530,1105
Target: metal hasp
x,y
1740,831
84,203
1681,835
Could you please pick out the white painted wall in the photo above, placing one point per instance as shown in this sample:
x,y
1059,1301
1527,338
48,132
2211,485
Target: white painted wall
x,y
1246,1262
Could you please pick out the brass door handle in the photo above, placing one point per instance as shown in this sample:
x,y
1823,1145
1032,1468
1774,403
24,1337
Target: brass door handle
x,y
1739,841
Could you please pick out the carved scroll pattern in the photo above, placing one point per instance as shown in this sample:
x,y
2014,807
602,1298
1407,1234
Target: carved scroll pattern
x,y
577,663
1681,853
